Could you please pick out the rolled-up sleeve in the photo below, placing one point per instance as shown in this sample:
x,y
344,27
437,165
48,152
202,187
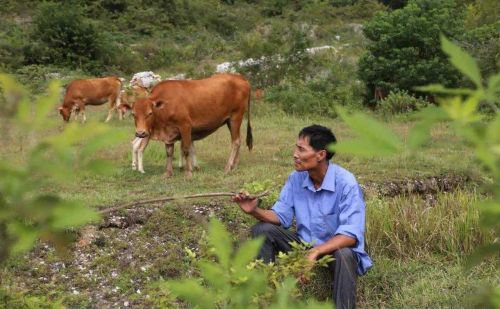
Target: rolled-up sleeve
x,y
352,214
284,208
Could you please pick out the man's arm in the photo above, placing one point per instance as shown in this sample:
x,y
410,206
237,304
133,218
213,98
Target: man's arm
x,y
250,206
336,242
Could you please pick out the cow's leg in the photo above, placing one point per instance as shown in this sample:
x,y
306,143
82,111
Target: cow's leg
x,y
192,157
142,146
77,114
110,114
169,164
234,127
81,108
135,148
118,102
186,146
182,163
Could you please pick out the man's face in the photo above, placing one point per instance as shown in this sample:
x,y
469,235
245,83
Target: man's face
x,y
305,157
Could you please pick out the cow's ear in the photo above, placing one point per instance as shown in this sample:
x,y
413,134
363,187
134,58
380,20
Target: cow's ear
x,y
125,106
60,108
158,104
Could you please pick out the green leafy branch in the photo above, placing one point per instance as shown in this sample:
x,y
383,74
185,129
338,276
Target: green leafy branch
x,y
30,206
234,280
460,107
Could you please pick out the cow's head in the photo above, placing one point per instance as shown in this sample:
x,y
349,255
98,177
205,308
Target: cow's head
x,y
143,117
65,112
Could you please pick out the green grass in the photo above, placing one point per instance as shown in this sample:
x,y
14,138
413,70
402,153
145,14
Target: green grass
x,y
419,242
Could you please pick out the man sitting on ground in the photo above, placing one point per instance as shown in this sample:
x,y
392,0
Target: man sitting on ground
x,y
329,209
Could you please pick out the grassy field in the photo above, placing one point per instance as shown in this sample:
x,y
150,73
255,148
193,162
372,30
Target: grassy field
x,y
421,220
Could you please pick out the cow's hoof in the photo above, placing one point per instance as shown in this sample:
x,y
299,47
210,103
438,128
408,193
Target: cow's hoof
x,y
142,171
189,174
168,175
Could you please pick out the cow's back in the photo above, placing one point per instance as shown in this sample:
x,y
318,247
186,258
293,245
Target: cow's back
x,y
206,104
92,91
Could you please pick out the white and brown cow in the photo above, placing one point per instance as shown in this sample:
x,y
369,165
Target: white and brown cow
x,y
96,91
189,110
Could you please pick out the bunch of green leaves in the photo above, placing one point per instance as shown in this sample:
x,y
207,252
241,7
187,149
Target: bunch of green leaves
x,y
30,206
290,265
460,107
232,280
258,187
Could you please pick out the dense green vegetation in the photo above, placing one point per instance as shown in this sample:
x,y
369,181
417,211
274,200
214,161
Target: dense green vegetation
x,y
425,204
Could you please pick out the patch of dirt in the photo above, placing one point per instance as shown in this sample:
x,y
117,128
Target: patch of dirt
x,y
429,186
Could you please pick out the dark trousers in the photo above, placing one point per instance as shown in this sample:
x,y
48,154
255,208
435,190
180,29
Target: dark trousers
x,y
343,268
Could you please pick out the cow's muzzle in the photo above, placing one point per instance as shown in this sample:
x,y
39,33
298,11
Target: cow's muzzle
x,y
141,134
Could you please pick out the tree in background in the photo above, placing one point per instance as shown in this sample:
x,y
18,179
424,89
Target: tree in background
x,y
482,38
405,52
62,35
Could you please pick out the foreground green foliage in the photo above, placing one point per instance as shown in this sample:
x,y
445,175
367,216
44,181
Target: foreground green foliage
x,y
461,108
27,211
234,281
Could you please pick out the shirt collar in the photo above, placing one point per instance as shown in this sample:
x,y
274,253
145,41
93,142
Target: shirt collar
x,y
328,181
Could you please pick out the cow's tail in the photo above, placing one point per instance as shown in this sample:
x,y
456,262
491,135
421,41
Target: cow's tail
x,y
249,127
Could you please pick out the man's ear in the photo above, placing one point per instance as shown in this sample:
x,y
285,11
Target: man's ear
x,y
321,155
158,104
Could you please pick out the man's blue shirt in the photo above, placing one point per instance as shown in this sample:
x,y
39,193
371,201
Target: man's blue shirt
x,y
337,207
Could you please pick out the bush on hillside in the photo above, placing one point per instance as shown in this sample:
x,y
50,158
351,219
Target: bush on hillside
x,y
399,102
484,43
269,67
329,84
62,35
482,38
405,52
12,41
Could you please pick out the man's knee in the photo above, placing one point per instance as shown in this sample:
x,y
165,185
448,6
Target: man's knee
x,y
345,255
263,228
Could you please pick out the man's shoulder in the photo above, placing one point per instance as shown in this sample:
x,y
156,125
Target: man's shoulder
x,y
343,176
297,177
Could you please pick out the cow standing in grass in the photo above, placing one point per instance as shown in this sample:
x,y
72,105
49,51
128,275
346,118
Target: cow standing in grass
x,y
189,110
97,91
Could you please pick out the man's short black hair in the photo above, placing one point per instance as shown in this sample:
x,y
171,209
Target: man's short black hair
x,y
320,138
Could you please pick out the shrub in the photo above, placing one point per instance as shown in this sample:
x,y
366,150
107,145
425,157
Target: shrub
x,y
404,51
12,40
269,67
62,35
398,102
297,98
484,43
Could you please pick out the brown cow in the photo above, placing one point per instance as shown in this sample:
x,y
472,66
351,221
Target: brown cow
x,y
190,110
97,91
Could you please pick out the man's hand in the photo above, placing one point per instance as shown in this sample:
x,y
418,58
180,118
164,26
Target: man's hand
x,y
246,203
311,258
313,255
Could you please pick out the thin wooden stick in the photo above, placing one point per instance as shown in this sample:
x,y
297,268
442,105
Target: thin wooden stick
x,y
171,198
